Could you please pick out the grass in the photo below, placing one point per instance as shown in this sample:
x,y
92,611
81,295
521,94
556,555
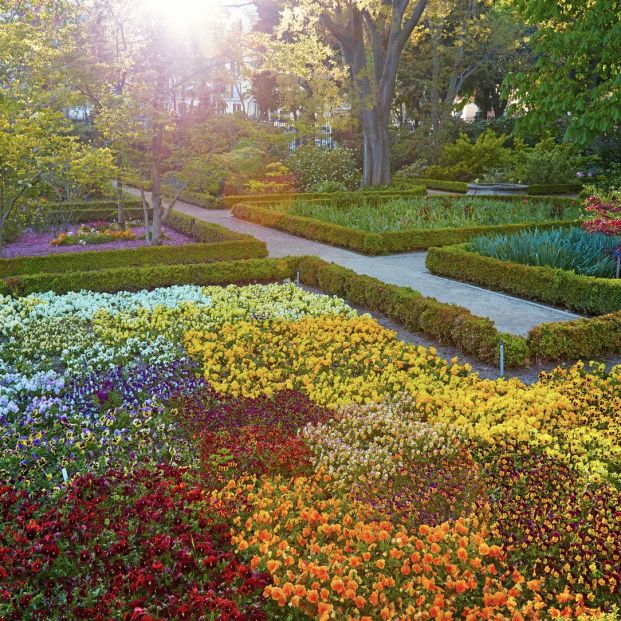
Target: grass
x,y
571,249
425,213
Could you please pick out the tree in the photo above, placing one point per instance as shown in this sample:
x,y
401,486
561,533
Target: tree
x,y
576,77
371,35
36,140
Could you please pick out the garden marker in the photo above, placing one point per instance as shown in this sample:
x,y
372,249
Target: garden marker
x,y
65,475
502,359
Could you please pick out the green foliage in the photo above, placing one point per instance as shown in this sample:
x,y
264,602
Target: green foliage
x,y
313,165
399,214
367,242
326,187
465,160
150,277
460,187
547,163
575,76
580,339
133,257
584,294
567,249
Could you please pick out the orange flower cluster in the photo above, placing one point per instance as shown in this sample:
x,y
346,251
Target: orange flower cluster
x,y
329,560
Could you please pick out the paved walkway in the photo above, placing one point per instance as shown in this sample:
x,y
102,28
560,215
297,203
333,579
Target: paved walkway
x,y
510,314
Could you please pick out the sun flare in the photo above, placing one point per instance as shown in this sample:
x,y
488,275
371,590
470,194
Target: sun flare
x,y
184,15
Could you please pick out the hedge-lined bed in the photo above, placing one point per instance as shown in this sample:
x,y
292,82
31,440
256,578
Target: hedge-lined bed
x,y
150,277
584,294
374,243
461,187
447,323
342,197
133,257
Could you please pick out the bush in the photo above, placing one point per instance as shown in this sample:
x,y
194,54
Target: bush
x,y
133,257
460,187
313,165
552,286
326,187
547,163
572,340
202,231
466,160
137,278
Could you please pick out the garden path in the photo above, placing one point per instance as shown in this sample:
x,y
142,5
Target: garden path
x,y
510,314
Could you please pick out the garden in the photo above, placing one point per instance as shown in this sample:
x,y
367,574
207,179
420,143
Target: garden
x,y
263,451
200,423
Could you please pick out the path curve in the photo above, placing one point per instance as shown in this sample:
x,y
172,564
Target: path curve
x,y
510,314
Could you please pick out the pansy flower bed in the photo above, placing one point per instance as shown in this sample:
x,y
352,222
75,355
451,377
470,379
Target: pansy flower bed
x,y
263,452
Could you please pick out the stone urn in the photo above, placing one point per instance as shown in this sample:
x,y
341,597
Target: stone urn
x,y
497,189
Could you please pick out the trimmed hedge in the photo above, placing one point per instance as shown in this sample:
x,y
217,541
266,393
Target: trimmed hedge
x,y
585,294
413,191
582,338
133,257
559,188
137,278
375,243
201,231
447,323
206,201
461,187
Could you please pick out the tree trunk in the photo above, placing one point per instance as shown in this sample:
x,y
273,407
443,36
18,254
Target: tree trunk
x,y
376,163
435,93
145,212
119,202
156,190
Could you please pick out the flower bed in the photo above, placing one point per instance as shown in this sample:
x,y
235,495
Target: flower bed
x,y
560,287
263,452
373,227
34,244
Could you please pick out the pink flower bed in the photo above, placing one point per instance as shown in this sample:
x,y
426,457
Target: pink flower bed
x,y
34,244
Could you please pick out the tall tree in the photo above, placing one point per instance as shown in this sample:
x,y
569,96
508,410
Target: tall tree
x,y
371,36
576,77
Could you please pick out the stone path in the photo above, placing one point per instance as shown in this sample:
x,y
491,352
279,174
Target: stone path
x,y
510,314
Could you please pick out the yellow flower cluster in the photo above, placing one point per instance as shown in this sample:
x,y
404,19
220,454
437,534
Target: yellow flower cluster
x,y
333,360
336,360
224,305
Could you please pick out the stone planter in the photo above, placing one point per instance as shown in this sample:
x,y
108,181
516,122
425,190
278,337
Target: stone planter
x,y
497,189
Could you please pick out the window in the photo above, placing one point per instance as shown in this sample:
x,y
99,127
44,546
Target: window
x,y
237,107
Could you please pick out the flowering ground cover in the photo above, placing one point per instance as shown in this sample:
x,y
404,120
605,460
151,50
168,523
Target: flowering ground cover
x,y
263,452
32,243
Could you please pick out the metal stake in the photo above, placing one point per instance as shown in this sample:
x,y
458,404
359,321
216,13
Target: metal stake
x,y
502,359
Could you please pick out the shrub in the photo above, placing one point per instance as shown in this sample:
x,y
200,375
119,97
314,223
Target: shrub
x,y
584,294
547,163
371,243
582,338
325,187
151,277
133,257
312,165
465,160
448,323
